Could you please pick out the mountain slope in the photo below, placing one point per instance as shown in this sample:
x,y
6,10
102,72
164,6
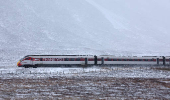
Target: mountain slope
x,y
145,22
116,27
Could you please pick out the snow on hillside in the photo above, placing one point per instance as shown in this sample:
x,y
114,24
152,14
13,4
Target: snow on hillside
x,y
116,27
143,24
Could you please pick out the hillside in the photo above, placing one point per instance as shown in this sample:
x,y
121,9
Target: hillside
x,y
116,27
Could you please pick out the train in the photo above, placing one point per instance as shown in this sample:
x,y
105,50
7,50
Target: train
x,y
89,60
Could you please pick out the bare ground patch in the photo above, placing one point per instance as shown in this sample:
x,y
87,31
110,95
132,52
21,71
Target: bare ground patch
x,y
163,68
85,88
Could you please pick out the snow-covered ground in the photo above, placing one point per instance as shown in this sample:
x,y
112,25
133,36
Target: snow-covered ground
x,y
96,71
136,82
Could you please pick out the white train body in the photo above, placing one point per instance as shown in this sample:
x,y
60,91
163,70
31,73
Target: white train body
x,y
68,60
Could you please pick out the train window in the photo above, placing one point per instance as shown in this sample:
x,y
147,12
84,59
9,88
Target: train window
x,y
167,59
91,59
135,59
41,59
140,59
21,59
119,59
124,59
77,59
114,59
72,59
160,59
109,59
27,58
66,59
99,60
130,59
82,59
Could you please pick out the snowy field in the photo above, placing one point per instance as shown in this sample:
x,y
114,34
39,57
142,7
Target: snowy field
x,y
95,71
116,82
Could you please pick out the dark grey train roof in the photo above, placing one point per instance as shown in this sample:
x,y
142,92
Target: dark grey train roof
x,y
94,55
60,55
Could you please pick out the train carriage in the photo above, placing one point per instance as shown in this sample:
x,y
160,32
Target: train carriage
x,y
87,60
55,60
167,60
130,60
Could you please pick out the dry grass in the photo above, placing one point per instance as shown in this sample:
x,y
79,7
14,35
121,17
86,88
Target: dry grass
x,y
163,68
78,88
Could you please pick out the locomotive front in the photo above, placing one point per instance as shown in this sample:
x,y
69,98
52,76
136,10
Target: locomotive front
x,y
19,63
23,61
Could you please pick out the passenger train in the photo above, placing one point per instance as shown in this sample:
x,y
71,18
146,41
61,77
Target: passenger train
x,y
88,60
